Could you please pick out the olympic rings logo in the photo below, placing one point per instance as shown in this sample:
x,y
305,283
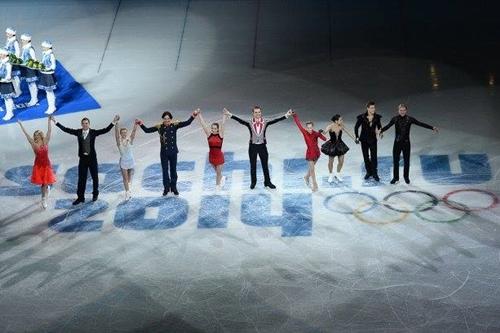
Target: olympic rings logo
x,y
446,209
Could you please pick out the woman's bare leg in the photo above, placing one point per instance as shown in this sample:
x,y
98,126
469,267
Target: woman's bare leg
x,y
219,172
340,163
330,163
125,179
45,189
217,175
312,173
130,173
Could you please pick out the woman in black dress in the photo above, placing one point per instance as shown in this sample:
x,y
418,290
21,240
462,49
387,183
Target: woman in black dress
x,y
335,147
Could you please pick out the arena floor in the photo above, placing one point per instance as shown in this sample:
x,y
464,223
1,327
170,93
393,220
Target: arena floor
x,y
356,256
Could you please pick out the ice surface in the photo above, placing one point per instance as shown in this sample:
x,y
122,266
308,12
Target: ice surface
x,y
239,259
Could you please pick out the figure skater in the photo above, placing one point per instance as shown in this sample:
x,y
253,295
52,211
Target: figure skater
x,y
167,131
215,138
403,124
312,153
42,173
335,147
125,144
257,146
370,126
87,155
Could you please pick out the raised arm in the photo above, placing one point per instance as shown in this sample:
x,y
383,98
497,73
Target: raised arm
x,y
321,135
117,134
49,131
134,131
275,120
188,122
203,124
241,121
221,129
146,129
185,123
30,139
71,131
104,130
238,119
297,122
108,128
151,129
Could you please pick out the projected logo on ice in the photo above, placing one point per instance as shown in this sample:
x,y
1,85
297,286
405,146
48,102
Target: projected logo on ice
x,y
296,218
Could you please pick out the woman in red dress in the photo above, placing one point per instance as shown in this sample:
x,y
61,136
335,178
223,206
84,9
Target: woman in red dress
x,y
42,173
313,153
215,137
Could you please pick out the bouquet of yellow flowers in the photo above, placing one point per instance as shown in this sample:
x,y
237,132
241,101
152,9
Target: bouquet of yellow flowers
x,y
34,64
15,60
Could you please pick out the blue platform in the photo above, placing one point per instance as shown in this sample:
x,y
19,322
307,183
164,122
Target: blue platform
x,y
71,97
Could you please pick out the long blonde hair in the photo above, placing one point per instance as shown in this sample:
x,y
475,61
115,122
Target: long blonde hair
x,y
36,133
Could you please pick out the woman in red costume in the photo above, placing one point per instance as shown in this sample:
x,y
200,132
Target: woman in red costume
x,y
215,137
313,153
42,169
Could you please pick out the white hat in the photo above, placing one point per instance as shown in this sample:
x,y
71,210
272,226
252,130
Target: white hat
x,y
10,31
4,52
26,37
47,44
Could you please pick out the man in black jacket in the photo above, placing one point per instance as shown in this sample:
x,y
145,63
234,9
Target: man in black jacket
x,y
257,127
403,124
87,154
370,126
167,130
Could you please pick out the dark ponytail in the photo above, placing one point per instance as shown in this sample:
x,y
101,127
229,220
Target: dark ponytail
x,y
335,118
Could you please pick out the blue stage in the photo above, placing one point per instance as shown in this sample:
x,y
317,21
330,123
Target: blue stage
x,y
71,97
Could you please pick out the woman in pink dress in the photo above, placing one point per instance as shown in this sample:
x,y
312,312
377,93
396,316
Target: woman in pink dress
x,y
42,174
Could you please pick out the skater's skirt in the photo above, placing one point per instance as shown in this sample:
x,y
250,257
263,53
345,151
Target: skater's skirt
x,y
337,148
216,156
127,163
28,74
16,70
312,154
7,90
43,175
47,81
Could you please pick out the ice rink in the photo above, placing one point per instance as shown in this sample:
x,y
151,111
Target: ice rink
x,y
356,256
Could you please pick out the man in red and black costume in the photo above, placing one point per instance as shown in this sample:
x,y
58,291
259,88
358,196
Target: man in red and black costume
x,y
257,127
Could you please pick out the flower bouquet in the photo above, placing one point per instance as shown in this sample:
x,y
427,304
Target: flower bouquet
x,y
34,64
15,60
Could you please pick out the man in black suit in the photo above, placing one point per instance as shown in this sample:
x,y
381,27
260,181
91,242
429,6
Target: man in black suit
x,y
87,154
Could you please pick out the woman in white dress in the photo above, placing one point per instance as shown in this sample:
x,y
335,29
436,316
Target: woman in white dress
x,y
125,144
